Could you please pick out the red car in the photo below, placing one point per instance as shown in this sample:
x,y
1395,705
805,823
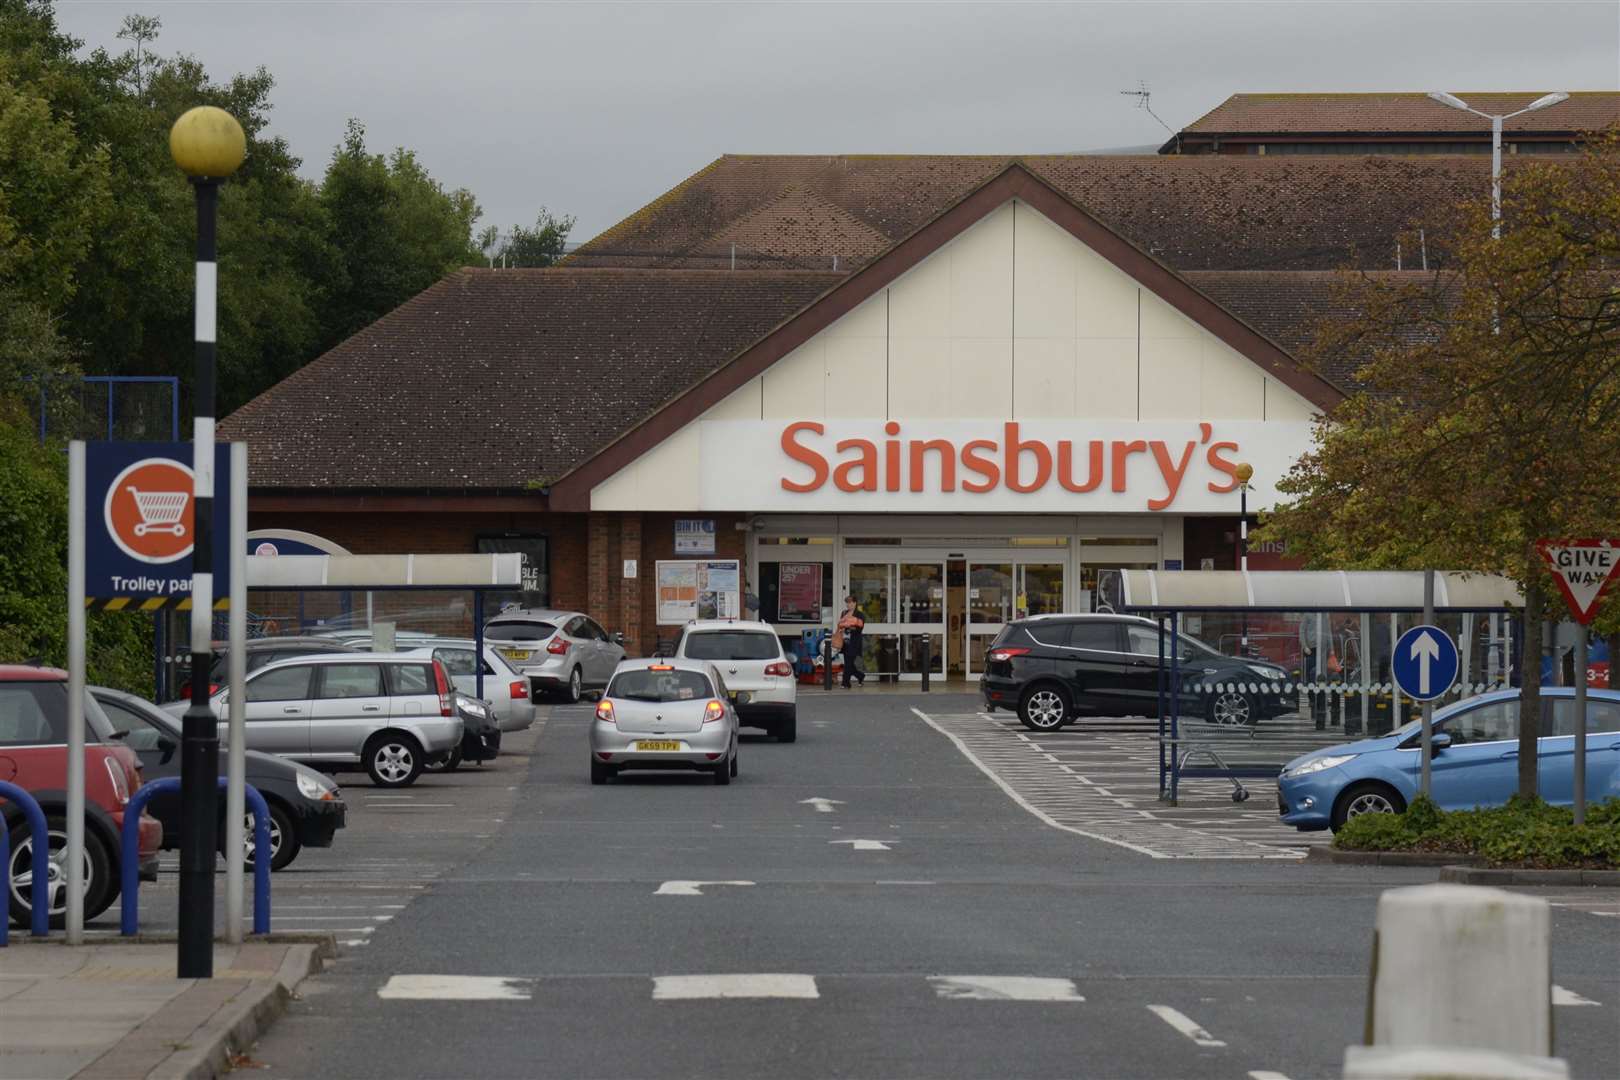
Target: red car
x,y
33,755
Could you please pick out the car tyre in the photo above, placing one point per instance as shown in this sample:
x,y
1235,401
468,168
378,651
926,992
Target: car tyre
x,y
1046,707
447,762
734,764
1368,797
284,842
788,730
100,887
575,688
600,773
1231,708
722,773
393,760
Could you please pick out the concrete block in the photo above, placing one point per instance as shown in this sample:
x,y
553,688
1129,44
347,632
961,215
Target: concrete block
x,y
1461,965
1447,1063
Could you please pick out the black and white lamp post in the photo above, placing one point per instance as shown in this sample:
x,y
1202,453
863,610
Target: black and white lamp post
x,y
1244,473
209,145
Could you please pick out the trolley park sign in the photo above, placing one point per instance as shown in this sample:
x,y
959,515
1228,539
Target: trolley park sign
x,y
1044,466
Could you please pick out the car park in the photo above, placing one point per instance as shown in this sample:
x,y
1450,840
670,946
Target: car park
x,y
33,755
757,671
1051,669
561,653
306,807
665,714
1474,761
384,712
480,738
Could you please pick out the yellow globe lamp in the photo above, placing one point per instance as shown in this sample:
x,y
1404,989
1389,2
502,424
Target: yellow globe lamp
x,y
207,142
1244,473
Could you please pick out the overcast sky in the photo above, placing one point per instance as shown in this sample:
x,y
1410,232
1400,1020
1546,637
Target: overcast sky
x,y
593,109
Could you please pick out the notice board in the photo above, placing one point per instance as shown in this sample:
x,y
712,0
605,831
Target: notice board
x,y
698,589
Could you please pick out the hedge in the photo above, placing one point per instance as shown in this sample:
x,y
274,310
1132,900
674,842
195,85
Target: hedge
x,y
1524,833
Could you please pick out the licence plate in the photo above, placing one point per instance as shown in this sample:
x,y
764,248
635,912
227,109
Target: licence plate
x,y
518,654
657,744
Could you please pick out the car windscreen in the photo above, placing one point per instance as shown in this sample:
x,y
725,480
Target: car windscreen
x,y
526,630
648,684
732,645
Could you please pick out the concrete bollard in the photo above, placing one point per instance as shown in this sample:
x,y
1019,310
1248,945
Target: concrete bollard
x,y
1462,965
1447,1063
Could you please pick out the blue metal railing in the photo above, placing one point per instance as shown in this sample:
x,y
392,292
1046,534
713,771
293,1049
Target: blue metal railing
x,y
129,869
40,905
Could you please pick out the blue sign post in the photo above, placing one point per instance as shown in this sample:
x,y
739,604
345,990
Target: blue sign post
x,y
1425,662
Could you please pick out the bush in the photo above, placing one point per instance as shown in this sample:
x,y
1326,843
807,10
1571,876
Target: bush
x,y
1525,832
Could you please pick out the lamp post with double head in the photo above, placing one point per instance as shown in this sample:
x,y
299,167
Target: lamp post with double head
x,y
208,144
1496,141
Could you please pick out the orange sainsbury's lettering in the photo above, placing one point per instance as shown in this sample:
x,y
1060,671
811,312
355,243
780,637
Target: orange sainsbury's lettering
x,y
866,461
1222,465
804,456
975,462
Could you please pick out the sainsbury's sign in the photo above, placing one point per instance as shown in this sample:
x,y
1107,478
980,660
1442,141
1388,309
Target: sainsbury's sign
x,y
1031,466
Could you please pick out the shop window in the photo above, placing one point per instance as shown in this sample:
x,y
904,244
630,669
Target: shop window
x,y
795,592
536,588
796,541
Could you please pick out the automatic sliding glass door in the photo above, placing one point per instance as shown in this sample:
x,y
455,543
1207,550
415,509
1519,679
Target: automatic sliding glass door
x,y
904,605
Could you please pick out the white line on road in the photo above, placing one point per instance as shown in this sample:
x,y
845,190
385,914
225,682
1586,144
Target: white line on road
x,y
456,988
1265,1074
1560,996
1003,988
1184,1024
823,806
691,888
863,845
698,987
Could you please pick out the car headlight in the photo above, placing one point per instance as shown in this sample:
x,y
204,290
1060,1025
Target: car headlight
x,y
312,786
1269,673
1317,764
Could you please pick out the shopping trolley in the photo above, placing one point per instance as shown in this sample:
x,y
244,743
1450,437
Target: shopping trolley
x,y
160,511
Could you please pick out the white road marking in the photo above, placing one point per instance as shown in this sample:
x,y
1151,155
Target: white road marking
x,y
456,988
1003,988
1184,1024
699,987
1265,1074
691,888
1560,996
863,845
823,806
419,806
904,883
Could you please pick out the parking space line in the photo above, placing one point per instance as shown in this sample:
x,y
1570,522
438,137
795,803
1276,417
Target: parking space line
x,y
1265,1074
455,988
1561,996
1184,1024
1004,988
700,987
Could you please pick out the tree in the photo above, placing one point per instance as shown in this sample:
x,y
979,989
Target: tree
x,y
1487,414
140,29
540,246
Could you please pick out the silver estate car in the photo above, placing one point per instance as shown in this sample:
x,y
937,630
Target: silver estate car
x,y
560,652
505,688
386,712
665,714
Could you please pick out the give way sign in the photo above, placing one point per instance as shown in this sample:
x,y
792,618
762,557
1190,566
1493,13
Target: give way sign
x,y
1584,569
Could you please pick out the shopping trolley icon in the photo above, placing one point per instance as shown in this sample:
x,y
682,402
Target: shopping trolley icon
x,y
160,511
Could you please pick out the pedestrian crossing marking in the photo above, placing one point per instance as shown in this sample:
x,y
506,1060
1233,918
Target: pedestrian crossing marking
x,y
1004,988
705,987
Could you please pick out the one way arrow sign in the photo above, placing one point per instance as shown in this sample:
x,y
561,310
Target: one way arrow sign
x,y
1584,570
1424,663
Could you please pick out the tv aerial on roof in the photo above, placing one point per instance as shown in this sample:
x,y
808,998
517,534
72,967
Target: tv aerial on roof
x,y
1144,101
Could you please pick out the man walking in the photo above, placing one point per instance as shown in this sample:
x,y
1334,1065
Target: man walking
x,y
851,628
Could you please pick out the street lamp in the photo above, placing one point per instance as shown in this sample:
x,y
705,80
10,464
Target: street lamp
x,y
1455,102
209,145
1244,473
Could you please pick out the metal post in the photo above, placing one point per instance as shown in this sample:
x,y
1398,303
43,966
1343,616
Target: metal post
x,y
1496,177
236,755
927,659
478,640
826,667
75,713
1243,557
199,754
1580,721
1428,706
1175,707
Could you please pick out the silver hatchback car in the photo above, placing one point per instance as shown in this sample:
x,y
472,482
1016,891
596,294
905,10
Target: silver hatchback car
x,y
665,714
560,652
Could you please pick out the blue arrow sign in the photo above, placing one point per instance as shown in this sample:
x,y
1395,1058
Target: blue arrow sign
x,y
1425,662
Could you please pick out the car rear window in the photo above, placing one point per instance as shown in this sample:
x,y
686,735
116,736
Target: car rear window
x,y
408,679
528,630
35,713
732,645
660,686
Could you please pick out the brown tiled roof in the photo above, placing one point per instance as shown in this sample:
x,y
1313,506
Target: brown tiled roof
x,y
494,379
1194,212
1401,113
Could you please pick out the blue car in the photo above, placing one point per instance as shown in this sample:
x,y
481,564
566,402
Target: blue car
x,y
1475,763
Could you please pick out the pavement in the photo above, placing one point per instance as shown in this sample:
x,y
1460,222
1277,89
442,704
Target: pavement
x,y
910,890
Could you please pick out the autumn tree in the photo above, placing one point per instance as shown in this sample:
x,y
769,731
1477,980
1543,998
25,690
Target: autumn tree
x,y
1486,411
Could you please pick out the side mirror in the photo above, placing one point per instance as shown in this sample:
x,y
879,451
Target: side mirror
x,y
166,746
618,637
1439,741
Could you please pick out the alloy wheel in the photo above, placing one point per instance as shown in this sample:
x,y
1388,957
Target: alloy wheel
x,y
22,881
575,686
1231,708
393,762
1369,802
1045,709
247,837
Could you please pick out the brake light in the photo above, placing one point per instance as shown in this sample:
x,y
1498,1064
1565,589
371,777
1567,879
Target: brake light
x,y
604,711
120,783
1007,653
713,711
660,667
781,667
213,688
519,690
558,646
443,682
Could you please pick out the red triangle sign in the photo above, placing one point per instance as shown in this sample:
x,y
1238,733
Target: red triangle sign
x,y
1584,569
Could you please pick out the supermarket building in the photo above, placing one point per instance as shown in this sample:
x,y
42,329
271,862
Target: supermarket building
x,y
998,392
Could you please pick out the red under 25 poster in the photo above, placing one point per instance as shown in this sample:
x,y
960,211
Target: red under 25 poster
x,y
798,597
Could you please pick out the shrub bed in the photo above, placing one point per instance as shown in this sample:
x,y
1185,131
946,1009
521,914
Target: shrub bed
x,y
1524,833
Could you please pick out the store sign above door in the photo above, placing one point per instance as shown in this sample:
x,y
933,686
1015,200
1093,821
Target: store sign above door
x,y
1049,466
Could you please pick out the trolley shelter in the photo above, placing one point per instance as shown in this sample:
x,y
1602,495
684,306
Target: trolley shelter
x,y
1319,647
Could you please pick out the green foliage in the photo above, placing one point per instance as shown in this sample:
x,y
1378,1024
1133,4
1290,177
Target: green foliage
x,y
1526,831
541,245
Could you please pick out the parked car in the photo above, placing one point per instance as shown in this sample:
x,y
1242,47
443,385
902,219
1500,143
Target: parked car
x,y
259,652
506,689
560,652
1053,668
750,658
1475,761
33,755
306,808
480,739
384,712
665,714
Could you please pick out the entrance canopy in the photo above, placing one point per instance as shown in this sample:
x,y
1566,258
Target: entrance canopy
x,y
496,571
1311,590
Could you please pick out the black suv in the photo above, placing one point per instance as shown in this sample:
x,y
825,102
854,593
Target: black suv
x,y
1053,668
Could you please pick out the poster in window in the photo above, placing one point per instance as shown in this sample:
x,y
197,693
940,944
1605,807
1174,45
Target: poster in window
x,y
694,536
690,589
798,592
